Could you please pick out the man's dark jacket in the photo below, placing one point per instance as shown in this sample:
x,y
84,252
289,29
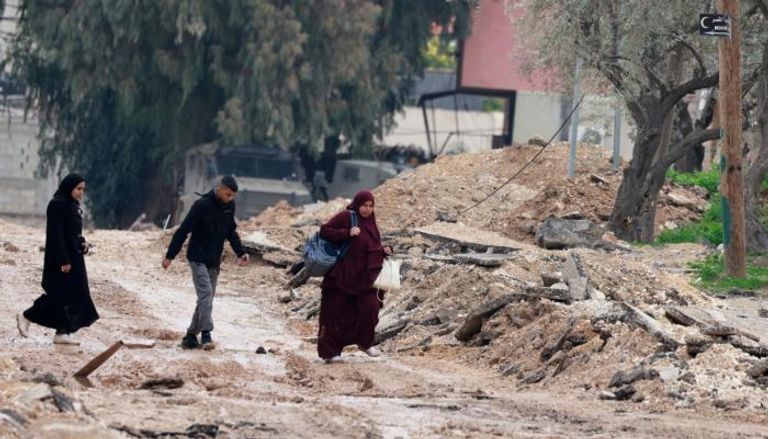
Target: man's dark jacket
x,y
210,222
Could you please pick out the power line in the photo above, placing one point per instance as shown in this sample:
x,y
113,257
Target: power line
x,y
509,180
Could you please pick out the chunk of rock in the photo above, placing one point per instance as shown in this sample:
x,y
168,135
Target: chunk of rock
x,y
556,233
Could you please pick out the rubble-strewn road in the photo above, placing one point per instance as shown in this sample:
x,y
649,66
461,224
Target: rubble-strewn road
x,y
287,392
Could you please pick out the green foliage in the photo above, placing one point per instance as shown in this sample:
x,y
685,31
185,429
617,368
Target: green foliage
x,y
125,88
710,228
708,180
493,104
440,54
712,275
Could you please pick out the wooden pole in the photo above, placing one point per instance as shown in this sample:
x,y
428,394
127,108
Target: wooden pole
x,y
731,179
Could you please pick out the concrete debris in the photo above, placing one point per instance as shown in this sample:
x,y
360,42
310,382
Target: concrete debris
x,y
555,233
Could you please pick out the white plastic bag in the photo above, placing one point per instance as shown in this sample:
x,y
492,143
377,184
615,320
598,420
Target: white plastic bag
x,y
389,277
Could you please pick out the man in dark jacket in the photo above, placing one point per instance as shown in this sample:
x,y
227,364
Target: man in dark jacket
x,y
210,220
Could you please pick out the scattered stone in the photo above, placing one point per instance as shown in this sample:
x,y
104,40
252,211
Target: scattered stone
x,y
762,312
576,277
510,369
527,226
10,247
556,233
47,378
163,383
732,404
576,215
651,325
696,344
36,393
625,393
759,370
605,216
549,351
678,315
598,179
638,373
750,347
13,417
739,292
723,330
390,331
537,141
482,259
557,293
533,377
63,402
474,321
551,278
669,225
688,377
261,350
679,199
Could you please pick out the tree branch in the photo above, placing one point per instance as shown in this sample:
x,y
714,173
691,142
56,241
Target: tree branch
x,y
763,6
695,54
680,149
656,80
685,88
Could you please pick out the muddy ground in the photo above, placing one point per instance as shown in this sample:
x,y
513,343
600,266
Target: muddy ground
x,y
536,366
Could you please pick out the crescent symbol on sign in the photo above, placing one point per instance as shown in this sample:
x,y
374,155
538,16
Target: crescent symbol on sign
x,y
704,22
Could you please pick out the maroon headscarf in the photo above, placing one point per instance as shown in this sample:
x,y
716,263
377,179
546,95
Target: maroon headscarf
x,y
356,271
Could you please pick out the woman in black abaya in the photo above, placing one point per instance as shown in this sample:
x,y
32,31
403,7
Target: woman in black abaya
x,y
66,305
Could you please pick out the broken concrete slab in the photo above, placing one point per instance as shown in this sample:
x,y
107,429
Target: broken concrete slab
x,y
696,344
556,233
551,278
575,275
469,238
37,392
638,373
555,293
474,321
482,259
651,325
680,316
724,330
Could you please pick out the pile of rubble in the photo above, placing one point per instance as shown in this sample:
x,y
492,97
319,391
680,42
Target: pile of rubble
x,y
623,324
589,313
448,187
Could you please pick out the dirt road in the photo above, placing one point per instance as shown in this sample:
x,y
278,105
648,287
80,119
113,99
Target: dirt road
x,y
286,392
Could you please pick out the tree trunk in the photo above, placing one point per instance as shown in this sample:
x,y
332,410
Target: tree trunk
x,y
692,161
634,213
757,236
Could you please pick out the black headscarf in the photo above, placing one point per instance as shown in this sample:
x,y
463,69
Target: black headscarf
x,y
70,182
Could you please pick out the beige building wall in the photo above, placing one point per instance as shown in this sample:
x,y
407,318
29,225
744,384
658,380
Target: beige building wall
x,y
476,129
21,192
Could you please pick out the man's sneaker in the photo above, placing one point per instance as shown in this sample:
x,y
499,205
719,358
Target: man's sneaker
x,y
65,339
206,342
190,342
372,352
22,324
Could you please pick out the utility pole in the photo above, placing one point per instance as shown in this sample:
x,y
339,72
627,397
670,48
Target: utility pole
x,y
617,136
731,178
574,121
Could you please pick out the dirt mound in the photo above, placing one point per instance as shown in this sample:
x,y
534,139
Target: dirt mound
x,y
453,184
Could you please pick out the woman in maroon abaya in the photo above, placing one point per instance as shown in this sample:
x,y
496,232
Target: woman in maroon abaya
x,y
349,307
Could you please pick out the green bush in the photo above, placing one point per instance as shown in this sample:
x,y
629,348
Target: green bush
x,y
708,180
712,276
708,230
